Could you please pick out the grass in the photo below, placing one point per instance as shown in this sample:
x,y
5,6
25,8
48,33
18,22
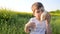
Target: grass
x,y
14,22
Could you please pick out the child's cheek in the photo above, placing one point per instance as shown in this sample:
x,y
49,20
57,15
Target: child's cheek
x,y
36,14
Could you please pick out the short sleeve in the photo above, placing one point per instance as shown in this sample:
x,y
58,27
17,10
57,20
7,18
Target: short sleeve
x,y
31,20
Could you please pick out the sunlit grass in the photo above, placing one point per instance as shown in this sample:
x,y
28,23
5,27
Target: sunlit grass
x,y
14,22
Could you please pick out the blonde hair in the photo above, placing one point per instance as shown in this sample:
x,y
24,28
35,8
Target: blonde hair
x,y
36,5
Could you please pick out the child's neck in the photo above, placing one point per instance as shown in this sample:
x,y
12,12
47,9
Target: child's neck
x,y
38,19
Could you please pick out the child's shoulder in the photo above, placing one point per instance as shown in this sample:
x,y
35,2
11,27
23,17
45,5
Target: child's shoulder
x,y
32,19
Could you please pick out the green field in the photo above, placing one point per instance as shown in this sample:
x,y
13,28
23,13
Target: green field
x,y
13,22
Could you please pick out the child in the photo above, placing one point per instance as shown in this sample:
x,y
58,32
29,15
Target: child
x,y
35,25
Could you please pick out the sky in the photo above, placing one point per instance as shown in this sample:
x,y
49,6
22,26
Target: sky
x,y
25,5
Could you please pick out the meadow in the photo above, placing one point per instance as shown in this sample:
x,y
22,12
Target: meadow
x,y
12,22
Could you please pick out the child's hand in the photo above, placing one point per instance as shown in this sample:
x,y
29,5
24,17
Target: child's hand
x,y
31,25
28,25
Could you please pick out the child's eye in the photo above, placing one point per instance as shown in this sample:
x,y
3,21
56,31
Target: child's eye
x,y
42,10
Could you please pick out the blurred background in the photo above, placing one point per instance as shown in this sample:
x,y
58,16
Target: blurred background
x,y
14,14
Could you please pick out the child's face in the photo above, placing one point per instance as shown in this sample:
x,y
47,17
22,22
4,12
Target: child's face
x,y
38,12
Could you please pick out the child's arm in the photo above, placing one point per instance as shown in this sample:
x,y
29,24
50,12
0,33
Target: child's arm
x,y
28,25
48,27
26,29
48,17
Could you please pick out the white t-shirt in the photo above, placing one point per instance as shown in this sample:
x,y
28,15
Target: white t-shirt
x,y
40,28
